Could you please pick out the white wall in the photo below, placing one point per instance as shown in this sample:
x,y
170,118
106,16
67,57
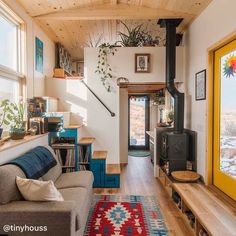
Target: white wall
x,y
123,64
216,22
12,153
35,80
109,131
123,124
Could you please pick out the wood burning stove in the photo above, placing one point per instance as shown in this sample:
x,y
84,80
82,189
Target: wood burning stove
x,y
174,145
174,151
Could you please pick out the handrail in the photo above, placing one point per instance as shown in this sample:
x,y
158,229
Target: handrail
x,y
112,113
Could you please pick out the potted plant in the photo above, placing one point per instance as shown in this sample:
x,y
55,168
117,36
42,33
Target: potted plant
x,y
170,117
147,40
16,117
137,37
133,38
4,114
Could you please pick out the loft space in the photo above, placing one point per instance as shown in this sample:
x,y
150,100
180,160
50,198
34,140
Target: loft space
x,y
79,24
117,117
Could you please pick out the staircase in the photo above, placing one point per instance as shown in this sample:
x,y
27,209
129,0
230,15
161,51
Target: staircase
x,y
105,175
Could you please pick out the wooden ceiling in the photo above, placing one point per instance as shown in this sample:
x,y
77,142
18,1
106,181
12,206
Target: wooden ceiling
x,y
80,23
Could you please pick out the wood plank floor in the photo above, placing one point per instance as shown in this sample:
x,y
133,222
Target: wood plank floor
x,y
137,179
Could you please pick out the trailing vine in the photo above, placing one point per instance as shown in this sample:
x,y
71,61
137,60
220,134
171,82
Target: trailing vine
x,y
104,69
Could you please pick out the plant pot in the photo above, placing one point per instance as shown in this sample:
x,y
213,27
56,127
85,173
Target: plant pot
x,y
17,134
1,130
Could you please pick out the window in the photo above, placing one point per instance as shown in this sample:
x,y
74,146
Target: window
x,y
11,53
9,89
8,43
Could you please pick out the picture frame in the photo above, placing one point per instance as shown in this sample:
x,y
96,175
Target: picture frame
x,y
142,63
200,85
38,55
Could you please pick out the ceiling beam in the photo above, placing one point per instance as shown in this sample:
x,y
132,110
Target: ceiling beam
x,y
113,12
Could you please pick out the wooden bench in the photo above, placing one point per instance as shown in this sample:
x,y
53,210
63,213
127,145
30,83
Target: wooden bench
x,y
211,213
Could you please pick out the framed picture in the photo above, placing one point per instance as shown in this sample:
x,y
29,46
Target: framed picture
x,y
200,85
38,55
142,63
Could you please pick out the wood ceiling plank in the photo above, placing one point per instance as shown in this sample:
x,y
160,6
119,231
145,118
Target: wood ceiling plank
x,y
114,2
41,7
109,12
75,34
46,27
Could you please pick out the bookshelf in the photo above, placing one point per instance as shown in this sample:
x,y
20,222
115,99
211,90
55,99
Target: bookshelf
x,y
84,156
65,146
66,155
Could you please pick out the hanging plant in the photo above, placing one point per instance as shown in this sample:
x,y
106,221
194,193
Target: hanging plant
x,y
104,69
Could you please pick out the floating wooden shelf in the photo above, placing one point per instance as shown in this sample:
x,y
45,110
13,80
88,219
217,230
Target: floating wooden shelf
x,y
60,73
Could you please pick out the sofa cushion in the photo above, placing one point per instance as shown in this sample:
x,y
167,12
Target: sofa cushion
x,y
81,197
8,189
54,172
75,179
39,191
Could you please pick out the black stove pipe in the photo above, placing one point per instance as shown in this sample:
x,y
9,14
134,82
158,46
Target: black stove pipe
x,y
170,25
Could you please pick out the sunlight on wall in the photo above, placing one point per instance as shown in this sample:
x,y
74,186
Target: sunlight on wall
x,y
77,89
79,111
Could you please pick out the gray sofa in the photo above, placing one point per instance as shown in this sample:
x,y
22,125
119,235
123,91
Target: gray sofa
x,y
61,218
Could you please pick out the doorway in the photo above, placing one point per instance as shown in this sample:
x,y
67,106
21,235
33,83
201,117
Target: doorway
x,y
224,119
138,113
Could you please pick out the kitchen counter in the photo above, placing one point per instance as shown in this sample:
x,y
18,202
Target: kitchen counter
x,y
150,133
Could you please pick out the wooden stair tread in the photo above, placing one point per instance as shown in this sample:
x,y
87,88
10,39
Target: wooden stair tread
x,y
86,140
73,126
216,216
113,169
99,155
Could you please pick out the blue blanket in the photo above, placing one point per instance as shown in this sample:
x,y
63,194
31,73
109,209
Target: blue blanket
x,y
36,162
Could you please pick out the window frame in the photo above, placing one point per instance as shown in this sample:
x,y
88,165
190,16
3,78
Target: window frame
x,y
6,72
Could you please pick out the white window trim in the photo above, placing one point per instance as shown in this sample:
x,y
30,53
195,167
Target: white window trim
x,y
5,71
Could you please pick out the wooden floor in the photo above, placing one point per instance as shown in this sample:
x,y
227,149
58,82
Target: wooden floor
x,y
137,179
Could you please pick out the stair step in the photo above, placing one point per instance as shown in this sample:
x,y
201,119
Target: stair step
x,y
99,155
86,140
112,169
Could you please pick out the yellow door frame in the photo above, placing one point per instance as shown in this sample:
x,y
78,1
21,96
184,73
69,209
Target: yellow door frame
x,y
210,92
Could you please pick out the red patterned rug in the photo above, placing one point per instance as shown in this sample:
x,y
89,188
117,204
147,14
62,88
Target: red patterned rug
x,y
124,215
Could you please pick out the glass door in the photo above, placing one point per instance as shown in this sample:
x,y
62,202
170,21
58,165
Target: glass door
x,y
224,136
138,122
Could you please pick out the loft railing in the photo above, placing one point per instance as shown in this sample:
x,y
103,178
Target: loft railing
x,y
95,95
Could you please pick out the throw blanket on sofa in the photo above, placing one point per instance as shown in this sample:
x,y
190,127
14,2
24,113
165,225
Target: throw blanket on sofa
x,y
36,162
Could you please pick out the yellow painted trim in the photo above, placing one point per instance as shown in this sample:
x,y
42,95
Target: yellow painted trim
x,y
210,77
222,181
210,92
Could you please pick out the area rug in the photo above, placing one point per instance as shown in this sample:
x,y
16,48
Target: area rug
x,y
125,215
139,153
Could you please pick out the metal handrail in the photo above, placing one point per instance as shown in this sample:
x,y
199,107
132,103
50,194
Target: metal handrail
x,y
112,113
